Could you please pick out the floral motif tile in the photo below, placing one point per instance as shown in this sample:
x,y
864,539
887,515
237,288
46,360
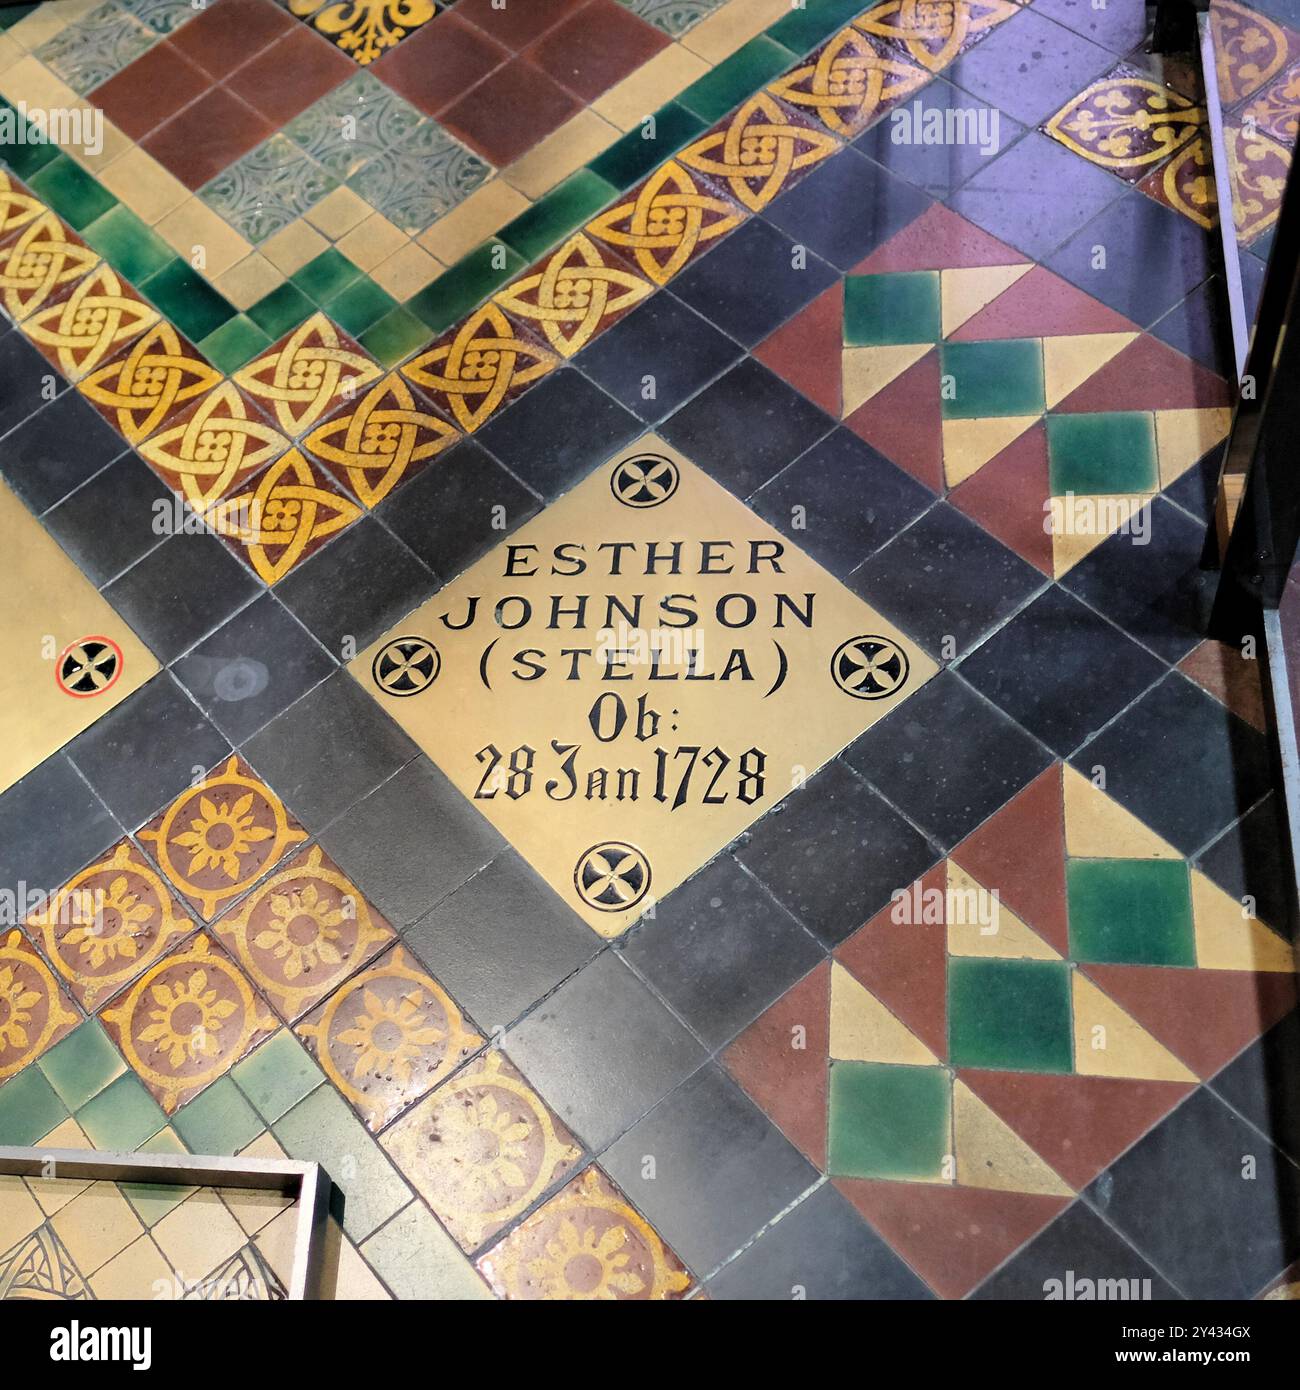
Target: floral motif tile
x,y
1251,49
587,1242
387,1036
364,29
219,837
1275,112
1259,168
1186,184
415,182
267,189
187,1021
384,439
91,49
35,1011
108,923
162,16
482,1149
303,931
353,124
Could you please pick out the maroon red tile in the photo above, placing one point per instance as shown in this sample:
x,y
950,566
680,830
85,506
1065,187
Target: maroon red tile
x,y
440,63
294,71
151,90
597,47
507,116
206,137
516,25
228,32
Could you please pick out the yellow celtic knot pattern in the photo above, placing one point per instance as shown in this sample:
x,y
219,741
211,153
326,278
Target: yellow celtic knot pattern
x,y
83,328
43,258
758,151
850,82
667,223
213,447
149,382
308,374
481,364
573,294
17,208
287,514
934,31
380,441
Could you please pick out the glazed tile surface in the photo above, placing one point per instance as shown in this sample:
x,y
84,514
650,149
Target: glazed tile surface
x,y
610,643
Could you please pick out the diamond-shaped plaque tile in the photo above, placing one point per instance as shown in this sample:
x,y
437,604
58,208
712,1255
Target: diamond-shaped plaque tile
x,y
631,679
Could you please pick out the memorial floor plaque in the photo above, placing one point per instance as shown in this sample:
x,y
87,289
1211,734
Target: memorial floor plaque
x,y
635,676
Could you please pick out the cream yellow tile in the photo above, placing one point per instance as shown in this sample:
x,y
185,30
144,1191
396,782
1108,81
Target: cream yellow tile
x,y
10,53
337,213
562,152
733,25
293,246
354,1280
407,272
375,240
139,181
96,1226
203,238
113,144
32,30
275,1241
198,1235
482,214
31,81
55,1192
20,1214
139,1272
252,1208
249,280
669,72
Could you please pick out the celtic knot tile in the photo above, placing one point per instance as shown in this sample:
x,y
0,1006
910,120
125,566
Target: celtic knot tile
x,y
187,1021
474,369
109,922
308,373
1126,123
212,445
45,256
218,838
587,1242
758,150
575,295
140,388
78,329
850,82
303,931
381,441
34,1011
934,32
289,513
482,1149
387,1036
667,222
17,207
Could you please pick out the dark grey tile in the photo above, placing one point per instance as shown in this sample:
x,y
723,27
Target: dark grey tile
x,y
51,825
29,380
1252,859
1263,1084
126,494
57,449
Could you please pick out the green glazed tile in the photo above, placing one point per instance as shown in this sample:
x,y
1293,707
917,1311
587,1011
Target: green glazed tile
x,y
323,1129
29,1108
28,152
152,1201
278,1075
122,1116
66,187
470,281
804,28
631,158
1131,911
186,298
281,310
234,344
359,305
11,14
82,1064
132,249
552,217
397,335
1113,452
416,1258
884,309
1010,1015
736,78
989,379
889,1121
218,1121
325,276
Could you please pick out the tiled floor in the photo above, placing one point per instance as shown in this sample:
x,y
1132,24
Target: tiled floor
x,y
610,644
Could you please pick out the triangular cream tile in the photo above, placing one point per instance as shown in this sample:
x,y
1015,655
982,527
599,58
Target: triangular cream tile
x,y
1097,827
963,293
969,444
863,1030
991,1154
868,370
1110,1042
1227,940
1183,436
1012,939
1070,543
1069,361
